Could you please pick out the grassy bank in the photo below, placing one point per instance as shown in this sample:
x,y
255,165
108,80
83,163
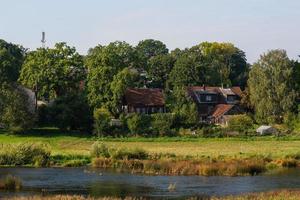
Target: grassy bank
x,y
277,195
185,156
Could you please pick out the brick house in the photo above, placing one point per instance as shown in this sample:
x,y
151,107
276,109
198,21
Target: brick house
x,y
216,104
144,101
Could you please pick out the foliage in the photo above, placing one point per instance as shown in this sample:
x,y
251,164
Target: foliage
x,y
147,49
100,150
103,63
159,69
53,72
240,123
210,64
71,112
139,124
185,109
102,118
121,81
270,86
129,154
11,60
16,112
24,154
162,123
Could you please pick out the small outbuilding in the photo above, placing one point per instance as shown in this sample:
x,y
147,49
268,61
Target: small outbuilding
x,y
266,130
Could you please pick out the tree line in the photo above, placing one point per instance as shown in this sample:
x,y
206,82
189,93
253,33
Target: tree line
x,y
82,86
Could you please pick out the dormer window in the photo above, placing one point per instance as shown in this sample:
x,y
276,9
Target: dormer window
x,y
208,98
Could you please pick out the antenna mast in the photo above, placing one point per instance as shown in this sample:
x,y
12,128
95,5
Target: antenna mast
x,y
43,39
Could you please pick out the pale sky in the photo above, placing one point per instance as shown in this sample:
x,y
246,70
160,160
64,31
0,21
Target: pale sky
x,y
254,26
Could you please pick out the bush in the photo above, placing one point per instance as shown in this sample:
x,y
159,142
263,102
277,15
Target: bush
x,y
129,154
71,112
240,123
162,123
100,150
16,111
25,154
102,118
139,124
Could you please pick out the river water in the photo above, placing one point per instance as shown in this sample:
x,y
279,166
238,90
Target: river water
x,y
99,183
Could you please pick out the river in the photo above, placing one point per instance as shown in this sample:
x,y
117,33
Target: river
x,y
99,183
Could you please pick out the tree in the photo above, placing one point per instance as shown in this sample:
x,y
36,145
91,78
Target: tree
x,y
159,69
53,72
71,112
188,70
121,81
148,49
11,59
213,64
225,63
270,86
103,63
102,118
15,112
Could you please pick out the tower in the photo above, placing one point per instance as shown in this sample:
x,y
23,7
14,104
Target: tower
x,y
43,39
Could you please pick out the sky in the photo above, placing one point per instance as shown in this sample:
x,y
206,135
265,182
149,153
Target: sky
x,y
255,26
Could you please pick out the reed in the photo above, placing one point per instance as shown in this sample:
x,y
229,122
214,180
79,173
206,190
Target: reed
x,y
11,183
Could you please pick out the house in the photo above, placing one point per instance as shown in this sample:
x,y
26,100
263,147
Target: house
x,y
216,104
144,100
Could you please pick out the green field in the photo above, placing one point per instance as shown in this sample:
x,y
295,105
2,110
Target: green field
x,y
229,147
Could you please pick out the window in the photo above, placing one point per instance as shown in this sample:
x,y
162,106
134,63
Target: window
x,y
230,98
208,98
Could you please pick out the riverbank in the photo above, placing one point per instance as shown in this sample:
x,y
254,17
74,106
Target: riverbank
x,y
275,195
165,156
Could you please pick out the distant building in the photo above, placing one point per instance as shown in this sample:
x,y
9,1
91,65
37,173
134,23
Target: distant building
x,y
144,100
216,104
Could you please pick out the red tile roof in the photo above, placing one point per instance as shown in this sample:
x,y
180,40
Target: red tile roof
x,y
144,97
220,110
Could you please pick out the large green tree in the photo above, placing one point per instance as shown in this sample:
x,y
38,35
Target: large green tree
x,y
53,72
121,81
147,49
103,63
159,70
11,59
270,86
213,64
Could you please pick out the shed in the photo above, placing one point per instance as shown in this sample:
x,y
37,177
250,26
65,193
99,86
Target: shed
x,y
266,130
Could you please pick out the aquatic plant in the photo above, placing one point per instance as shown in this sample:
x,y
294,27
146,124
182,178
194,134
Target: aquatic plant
x,y
11,183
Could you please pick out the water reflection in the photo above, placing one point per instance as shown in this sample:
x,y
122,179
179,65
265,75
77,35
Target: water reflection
x,y
106,183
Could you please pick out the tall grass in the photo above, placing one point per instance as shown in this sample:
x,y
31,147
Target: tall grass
x,y
11,183
24,154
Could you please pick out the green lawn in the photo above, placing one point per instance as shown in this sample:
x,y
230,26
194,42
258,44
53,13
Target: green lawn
x,y
230,147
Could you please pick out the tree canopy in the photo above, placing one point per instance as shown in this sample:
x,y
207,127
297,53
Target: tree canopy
x,y
53,72
11,60
270,86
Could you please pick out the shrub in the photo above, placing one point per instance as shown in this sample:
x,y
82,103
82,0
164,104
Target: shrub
x,y
139,124
25,154
162,123
102,118
100,150
129,154
71,112
240,123
16,110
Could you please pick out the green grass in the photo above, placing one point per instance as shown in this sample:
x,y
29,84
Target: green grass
x,y
80,144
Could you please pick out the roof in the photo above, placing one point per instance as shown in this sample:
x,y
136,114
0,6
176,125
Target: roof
x,y
232,90
144,97
220,110
263,127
